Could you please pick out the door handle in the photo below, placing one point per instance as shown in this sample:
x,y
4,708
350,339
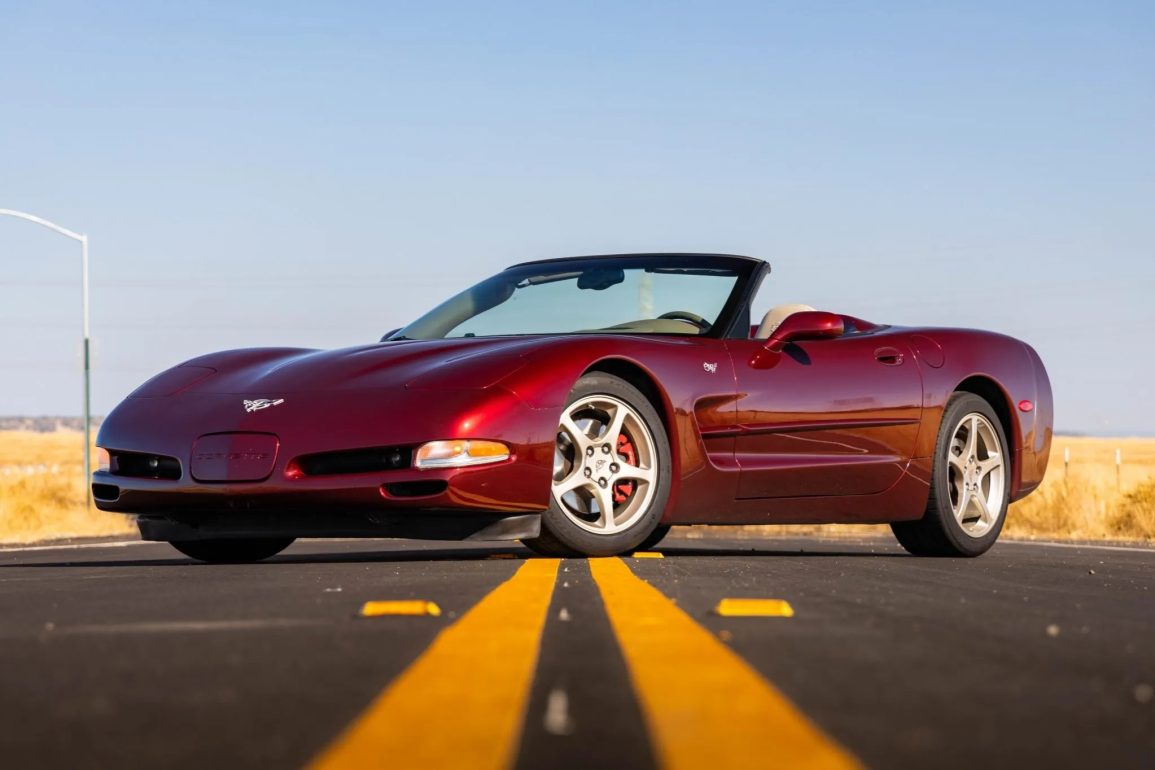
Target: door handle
x,y
889,356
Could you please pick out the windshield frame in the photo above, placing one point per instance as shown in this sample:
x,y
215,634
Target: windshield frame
x,y
748,271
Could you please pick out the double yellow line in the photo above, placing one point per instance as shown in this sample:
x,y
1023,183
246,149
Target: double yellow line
x,y
462,702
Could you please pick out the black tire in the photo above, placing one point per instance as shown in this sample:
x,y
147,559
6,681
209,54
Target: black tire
x,y
232,551
657,536
555,550
938,532
560,536
549,547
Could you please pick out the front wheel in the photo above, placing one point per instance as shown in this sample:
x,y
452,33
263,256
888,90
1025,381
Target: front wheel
x,y
970,484
657,536
232,550
611,472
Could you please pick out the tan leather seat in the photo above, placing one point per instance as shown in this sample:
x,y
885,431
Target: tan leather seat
x,y
774,318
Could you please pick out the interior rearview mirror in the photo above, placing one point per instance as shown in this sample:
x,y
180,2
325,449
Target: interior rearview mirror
x,y
601,278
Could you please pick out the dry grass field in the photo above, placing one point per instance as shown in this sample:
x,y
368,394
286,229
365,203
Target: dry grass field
x,y
1090,500
42,497
42,493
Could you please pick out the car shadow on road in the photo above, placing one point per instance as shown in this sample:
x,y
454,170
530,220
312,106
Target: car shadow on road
x,y
510,553
775,552
495,552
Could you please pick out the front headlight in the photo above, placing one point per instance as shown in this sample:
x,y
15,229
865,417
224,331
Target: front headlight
x,y
103,460
460,453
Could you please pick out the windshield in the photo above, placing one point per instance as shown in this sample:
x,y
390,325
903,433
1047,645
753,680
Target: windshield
x,y
572,297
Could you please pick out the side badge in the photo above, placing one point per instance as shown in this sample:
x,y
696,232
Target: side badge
x,y
711,368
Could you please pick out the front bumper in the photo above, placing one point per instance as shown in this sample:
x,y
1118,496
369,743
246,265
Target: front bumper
x,y
341,503
508,487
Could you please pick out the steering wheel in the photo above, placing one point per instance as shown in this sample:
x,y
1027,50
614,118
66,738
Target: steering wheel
x,y
685,315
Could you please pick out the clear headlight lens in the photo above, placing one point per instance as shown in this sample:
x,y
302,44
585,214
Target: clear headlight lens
x,y
103,460
460,453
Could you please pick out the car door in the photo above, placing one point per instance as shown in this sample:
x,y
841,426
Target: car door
x,y
825,417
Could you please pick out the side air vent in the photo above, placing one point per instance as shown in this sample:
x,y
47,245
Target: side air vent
x,y
143,466
355,461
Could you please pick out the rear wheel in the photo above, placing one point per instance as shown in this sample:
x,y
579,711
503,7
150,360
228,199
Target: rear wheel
x,y
970,484
611,474
232,551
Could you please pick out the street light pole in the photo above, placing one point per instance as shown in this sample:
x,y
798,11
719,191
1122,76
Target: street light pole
x,y
87,339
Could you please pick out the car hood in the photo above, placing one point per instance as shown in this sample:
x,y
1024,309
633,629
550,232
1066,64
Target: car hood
x,y
455,363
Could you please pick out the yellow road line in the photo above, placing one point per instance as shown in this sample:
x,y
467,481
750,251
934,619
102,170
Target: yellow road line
x,y
399,607
647,555
705,707
754,608
462,702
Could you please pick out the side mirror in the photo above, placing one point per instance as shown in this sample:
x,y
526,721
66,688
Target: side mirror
x,y
805,325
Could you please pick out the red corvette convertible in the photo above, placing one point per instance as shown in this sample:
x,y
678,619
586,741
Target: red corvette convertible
x,y
585,406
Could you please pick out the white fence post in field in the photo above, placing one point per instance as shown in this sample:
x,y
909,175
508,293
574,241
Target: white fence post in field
x,y
1118,469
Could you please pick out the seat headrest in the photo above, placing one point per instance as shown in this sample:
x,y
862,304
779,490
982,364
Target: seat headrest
x,y
775,316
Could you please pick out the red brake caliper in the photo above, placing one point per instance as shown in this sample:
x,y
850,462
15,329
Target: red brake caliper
x,y
626,451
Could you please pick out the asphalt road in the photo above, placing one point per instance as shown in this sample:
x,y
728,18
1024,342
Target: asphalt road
x,y
132,656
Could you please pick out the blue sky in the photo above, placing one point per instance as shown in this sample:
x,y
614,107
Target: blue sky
x,y
317,173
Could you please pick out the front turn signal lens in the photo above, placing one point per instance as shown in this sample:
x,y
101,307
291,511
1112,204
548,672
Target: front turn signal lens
x,y
103,460
460,453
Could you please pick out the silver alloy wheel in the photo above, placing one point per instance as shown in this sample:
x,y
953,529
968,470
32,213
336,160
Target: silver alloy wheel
x,y
977,475
604,451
